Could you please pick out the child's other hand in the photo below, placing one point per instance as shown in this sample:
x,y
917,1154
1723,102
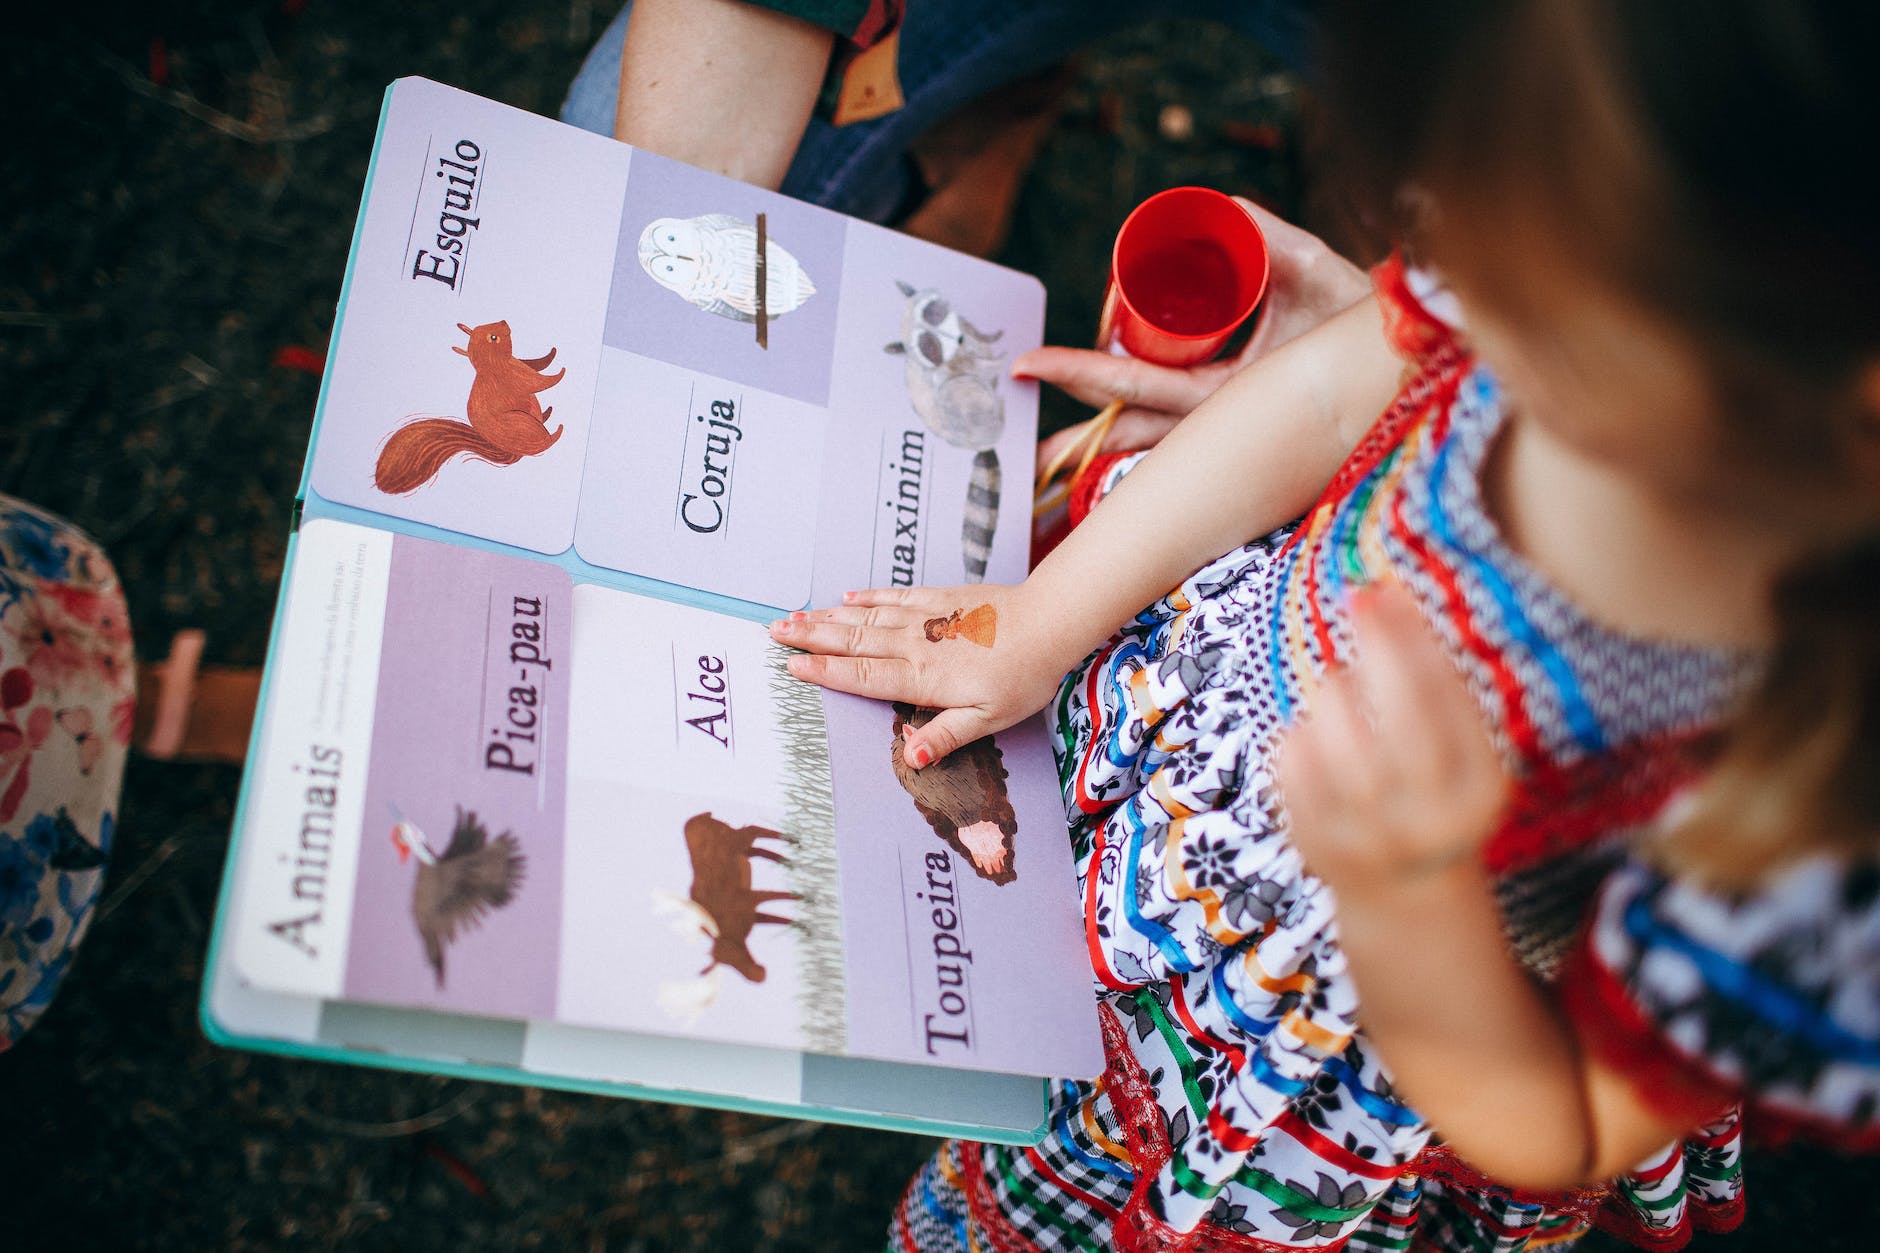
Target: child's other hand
x,y
982,654
1307,284
1391,778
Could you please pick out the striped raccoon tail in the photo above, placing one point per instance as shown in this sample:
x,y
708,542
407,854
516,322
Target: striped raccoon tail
x,y
982,514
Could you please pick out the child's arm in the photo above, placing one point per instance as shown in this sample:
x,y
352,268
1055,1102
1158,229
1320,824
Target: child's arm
x,y
1308,283
1391,785
1246,462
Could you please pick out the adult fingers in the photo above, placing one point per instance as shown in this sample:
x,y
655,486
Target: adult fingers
x,y
1096,378
1309,283
1289,248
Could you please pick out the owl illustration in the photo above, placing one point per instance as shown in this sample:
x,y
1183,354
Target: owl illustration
x,y
710,261
953,377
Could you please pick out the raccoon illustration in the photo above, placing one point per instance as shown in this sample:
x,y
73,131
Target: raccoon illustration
x,y
953,375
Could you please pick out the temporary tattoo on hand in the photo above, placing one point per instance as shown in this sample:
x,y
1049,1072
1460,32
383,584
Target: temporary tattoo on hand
x,y
977,626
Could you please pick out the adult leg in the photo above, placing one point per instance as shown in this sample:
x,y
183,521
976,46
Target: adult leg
x,y
950,54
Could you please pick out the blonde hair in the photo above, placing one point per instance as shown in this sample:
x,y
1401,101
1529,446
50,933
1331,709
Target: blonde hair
x,y
1800,768
1693,156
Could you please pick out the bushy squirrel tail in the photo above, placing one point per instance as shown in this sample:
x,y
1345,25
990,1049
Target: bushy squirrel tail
x,y
418,450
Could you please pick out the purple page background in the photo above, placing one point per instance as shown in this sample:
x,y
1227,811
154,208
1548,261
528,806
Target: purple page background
x,y
1033,1009
646,318
444,663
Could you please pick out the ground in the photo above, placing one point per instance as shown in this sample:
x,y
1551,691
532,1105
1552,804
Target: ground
x,y
181,181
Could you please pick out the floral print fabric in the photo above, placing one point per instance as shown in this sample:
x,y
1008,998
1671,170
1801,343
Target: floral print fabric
x,y
67,701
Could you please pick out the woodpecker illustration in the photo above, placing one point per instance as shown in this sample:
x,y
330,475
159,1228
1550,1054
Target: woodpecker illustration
x,y
457,888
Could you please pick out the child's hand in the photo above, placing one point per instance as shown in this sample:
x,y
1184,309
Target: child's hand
x,y
1391,778
1307,284
982,654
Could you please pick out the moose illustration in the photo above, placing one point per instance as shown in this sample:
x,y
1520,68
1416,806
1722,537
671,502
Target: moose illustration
x,y
722,906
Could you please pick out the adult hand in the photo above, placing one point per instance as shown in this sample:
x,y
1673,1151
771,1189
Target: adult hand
x,y
1391,779
981,654
1306,285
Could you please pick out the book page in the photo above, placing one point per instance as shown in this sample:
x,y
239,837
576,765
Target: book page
x,y
406,807
567,803
776,879
460,384
932,443
554,342
488,791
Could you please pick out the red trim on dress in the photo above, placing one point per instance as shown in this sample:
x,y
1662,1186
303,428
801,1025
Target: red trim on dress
x,y
1614,1028
1616,1031
1558,808
1088,488
1441,1163
984,1208
1410,327
1132,1098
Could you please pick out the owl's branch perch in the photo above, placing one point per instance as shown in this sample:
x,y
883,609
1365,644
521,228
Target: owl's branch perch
x,y
763,294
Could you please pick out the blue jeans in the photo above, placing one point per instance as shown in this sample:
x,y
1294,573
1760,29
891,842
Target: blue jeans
x,y
952,52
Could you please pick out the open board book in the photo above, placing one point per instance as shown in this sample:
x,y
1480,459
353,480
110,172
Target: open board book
x,y
531,796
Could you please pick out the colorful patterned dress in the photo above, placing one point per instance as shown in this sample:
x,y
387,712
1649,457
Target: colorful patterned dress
x,y
1242,1109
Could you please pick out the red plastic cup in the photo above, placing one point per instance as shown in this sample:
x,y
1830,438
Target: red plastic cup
x,y
1189,267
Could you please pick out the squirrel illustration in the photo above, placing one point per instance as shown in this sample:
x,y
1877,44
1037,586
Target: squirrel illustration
x,y
506,421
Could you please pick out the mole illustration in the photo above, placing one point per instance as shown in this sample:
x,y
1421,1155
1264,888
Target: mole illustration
x,y
963,798
506,421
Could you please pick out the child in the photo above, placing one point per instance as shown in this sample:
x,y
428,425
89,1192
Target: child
x,y
1453,851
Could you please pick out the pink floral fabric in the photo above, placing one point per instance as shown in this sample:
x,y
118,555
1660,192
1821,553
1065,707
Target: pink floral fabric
x,y
67,700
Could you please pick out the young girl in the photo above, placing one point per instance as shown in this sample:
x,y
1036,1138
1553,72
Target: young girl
x,y
1458,857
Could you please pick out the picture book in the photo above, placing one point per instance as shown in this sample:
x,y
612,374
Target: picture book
x,y
532,795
